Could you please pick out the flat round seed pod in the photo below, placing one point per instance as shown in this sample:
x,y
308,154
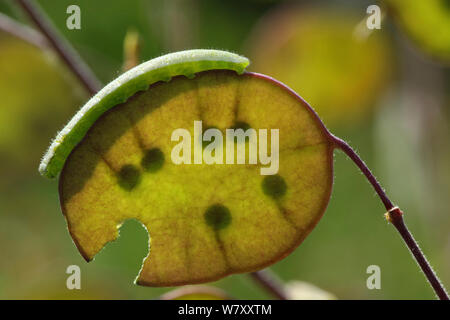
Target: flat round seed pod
x,y
205,221
196,293
314,50
25,123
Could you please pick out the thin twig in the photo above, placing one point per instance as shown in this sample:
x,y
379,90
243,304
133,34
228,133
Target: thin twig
x,y
62,47
263,277
365,170
270,282
21,31
267,280
395,216
131,50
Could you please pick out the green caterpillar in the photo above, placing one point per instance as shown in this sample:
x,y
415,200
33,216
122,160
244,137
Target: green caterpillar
x,y
163,68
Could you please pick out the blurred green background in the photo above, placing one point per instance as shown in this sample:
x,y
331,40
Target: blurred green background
x,y
385,91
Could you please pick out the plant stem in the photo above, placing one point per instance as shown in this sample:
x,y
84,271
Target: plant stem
x,y
21,31
395,216
61,47
270,282
131,50
365,170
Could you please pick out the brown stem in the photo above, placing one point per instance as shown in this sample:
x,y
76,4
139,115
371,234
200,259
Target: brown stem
x,y
270,282
21,31
365,170
62,48
395,216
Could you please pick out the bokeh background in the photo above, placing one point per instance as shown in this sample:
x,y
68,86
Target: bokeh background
x,y
385,91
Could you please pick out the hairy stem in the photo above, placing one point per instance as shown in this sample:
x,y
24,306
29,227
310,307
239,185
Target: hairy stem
x,y
65,51
395,216
270,282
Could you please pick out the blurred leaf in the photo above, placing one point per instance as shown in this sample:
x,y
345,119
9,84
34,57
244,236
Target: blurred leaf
x,y
427,23
315,52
